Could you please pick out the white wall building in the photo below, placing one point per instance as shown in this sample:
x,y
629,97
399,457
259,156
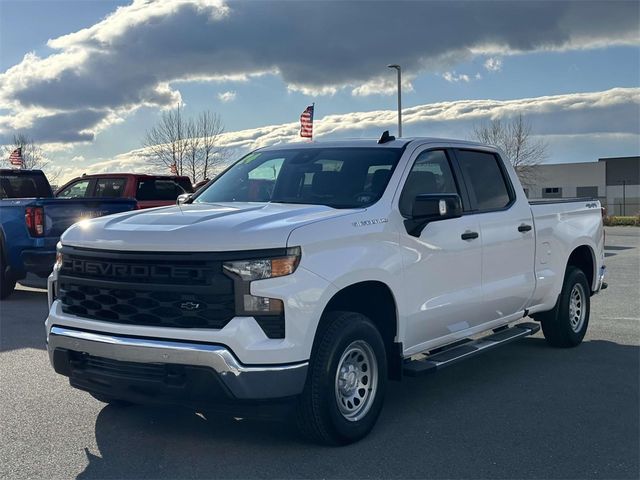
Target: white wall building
x,y
614,181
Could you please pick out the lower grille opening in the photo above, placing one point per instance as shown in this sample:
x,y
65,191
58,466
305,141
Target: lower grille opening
x,y
273,326
134,370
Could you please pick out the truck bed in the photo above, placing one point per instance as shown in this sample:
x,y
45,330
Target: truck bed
x,y
561,225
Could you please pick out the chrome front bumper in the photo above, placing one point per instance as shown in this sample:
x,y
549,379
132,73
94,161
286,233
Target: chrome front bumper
x,y
244,382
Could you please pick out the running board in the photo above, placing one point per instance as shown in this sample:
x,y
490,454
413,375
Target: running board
x,y
449,355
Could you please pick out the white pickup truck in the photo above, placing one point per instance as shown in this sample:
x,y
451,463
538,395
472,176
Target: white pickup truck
x,y
308,275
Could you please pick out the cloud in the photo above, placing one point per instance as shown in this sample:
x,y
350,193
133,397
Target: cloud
x,y
135,56
453,77
226,97
493,64
607,114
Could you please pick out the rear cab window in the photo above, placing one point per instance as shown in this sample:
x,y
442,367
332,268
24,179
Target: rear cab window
x,y
20,185
486,180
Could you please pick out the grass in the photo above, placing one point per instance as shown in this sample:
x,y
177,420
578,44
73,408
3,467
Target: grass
x,y
613,221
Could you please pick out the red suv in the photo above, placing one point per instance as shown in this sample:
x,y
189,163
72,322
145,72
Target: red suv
x,y
148,190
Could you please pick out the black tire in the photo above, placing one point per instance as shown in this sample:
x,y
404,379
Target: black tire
x,y
565,326
7,283
116,402
319,415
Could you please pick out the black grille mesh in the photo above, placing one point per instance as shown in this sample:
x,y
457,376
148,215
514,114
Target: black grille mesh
x,y
146,307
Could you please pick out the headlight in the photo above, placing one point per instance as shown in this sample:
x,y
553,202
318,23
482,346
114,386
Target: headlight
x,y
259,269
246,271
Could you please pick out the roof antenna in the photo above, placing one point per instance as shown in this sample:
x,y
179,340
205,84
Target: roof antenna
x,y
385,137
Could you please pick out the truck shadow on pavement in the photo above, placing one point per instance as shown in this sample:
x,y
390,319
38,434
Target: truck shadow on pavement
x,y
522,411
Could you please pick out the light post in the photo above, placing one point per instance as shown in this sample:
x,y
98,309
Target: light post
x,y
399,70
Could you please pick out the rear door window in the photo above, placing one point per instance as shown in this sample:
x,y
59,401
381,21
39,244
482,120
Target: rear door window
x,y
110,187
486,181
79,189
158,189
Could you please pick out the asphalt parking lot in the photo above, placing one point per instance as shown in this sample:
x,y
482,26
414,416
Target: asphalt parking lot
x,y
521,411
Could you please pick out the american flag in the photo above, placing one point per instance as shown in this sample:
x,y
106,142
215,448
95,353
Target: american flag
x,y
306,122
173,169
16,158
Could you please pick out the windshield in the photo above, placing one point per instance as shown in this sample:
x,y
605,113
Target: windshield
x,y
336,177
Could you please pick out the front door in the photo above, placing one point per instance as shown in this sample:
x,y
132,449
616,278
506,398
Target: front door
x,y
443,265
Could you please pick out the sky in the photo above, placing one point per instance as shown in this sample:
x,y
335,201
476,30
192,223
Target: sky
x,y
87,79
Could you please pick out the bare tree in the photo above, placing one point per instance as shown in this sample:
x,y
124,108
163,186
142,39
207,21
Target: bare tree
x,y
166,142
192,151
192,145
33,156
514,138
209,128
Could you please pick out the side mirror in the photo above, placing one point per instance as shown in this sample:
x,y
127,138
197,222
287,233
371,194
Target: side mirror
x,y
429,208
183,198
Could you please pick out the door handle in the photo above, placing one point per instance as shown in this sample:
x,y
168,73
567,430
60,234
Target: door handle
x,y
524,228
469,235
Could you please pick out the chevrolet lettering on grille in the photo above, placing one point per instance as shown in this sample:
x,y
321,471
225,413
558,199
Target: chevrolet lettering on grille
x,y
108,269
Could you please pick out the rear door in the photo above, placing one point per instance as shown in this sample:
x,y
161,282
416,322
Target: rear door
x,y
506,234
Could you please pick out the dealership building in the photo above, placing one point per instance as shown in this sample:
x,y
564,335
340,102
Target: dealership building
x,y
614,181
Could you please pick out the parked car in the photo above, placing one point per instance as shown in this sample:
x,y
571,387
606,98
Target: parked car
x,y
148,190
31,222
308,275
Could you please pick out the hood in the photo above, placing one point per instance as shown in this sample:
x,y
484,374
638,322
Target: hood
x,y
199,227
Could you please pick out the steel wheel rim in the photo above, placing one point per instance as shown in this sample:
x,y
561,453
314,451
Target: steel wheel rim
x,y
356,381
577,310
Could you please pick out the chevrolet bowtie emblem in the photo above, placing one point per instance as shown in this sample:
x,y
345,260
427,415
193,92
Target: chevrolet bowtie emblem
x,y
189,306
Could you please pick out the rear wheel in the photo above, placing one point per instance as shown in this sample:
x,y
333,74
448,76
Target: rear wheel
x,y
347,378
7,282
566,325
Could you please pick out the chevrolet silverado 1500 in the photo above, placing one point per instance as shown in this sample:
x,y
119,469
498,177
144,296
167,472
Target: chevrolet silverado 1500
x,y
310,274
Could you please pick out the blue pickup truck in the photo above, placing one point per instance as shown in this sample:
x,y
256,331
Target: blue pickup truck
x,y
31,222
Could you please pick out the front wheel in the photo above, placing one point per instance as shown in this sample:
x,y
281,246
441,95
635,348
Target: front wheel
x,y
345,388
566,325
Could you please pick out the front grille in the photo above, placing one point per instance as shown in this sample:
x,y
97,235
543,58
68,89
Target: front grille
x,y
164,290
146,307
